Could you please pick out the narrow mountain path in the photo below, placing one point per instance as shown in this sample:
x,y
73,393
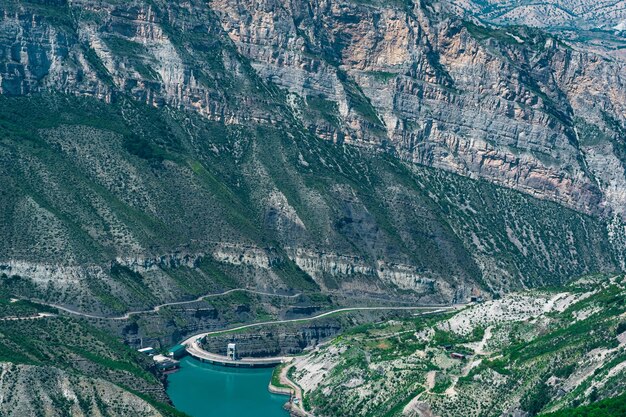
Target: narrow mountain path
x,y
156,308
297,391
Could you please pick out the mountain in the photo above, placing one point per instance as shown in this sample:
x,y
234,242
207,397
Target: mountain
x,y
59,366
546,118
555,14
597,27
106,215
526,354
153,151
314,153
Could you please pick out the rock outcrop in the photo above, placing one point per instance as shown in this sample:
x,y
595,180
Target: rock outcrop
x,y
514,106
155,151
34,390
478,101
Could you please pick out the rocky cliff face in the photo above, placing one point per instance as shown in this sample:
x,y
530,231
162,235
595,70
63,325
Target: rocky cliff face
x,y
497,104
159,53
552,14
501,104
191,160
275,342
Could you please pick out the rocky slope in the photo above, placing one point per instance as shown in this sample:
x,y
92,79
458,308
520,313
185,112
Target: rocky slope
x,y
578,14
55,366
154,151
110,207
31,390
524,355
295,338
207,160
545,118
597,27
406,76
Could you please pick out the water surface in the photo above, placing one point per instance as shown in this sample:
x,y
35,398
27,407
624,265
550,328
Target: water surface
x,y
205,390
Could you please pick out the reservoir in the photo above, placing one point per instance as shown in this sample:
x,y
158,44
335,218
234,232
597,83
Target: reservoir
x,y
205,390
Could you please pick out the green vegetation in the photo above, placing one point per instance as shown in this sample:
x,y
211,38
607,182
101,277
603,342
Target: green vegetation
x,y
359,101
20,308
537,357
327,109
383,76
56,12
263,194
36,341
144,149
536,399
610,407
77,348
117,206
133,53
442,382
531,37
276,376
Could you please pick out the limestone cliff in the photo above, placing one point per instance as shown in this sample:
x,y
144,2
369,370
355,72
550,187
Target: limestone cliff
x,y
498,104
514,106
157,151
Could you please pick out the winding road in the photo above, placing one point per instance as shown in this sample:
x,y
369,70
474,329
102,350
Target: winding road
x,y
156,309
32,317
433,308
194,348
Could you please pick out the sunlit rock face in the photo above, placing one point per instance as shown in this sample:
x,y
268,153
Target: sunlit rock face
x,y
441,92
516,107
229,172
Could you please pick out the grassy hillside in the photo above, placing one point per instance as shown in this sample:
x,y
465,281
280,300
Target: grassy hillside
x,y
533,352
63,351
609,407
109,207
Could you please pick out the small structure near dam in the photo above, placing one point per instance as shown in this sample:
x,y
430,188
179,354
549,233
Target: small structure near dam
x,y
196,351
176,352
165,363
231,351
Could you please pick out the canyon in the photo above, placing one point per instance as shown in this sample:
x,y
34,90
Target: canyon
x,y
324,153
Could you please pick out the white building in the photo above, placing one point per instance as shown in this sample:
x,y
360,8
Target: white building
x,y
231,351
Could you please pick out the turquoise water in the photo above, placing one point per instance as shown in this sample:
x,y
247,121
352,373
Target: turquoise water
x,y
205,390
